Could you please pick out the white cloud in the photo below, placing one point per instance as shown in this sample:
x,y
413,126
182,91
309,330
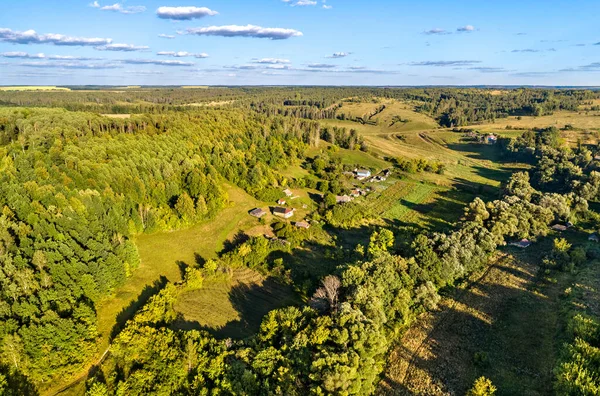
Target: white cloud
x,y
245,31
25,55
436,31
295,3
184,13
118,7
122,47
321,66
156,62
70,65
446,63
327,7
31,37
271,61
278,67
339,55
182,54
166,36
466,29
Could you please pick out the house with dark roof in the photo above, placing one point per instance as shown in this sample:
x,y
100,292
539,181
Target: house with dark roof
x,y
258,213
286,213
593,238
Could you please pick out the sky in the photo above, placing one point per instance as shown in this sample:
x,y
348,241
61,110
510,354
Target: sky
x,y
300,42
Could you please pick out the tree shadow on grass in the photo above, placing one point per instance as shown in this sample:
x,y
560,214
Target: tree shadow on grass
x,y
498,329
239,238
16,383
129,311
252,302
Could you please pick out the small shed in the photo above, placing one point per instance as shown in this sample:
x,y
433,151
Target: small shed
x,y
523,243
288,192
281,201
302,224
258,213
559,227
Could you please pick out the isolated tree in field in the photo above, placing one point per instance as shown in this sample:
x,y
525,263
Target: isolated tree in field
x,y
482,387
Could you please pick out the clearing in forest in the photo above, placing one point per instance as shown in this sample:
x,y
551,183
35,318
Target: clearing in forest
x,y
232,305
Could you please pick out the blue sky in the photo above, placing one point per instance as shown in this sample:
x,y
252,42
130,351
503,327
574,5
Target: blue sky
x,y
275,42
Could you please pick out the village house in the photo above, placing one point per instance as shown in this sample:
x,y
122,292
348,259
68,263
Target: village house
x,y
523,243
362,174
286,213
288,192
281,201
343,199
357,192
258,213
302,224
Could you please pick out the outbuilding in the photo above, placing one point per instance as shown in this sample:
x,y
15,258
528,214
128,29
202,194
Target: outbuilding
x,y
523,243
258,213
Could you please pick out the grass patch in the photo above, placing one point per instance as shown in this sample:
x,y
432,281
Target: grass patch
x,y
233,306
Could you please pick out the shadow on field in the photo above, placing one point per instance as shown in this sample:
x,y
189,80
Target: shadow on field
x,y
497,328
16,383
129,311
252,302
478,151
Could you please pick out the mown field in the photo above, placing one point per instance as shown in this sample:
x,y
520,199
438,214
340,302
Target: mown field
x,y
232,306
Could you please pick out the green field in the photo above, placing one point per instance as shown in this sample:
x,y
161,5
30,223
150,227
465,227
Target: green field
x,y
232,306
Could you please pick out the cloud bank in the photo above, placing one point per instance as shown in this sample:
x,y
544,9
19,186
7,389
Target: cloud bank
x,y
31,37
245,31
184,13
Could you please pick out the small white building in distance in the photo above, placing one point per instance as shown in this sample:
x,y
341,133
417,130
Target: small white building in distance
x,y
288,192
363,174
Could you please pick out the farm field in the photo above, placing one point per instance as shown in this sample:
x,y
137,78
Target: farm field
x,y
33,88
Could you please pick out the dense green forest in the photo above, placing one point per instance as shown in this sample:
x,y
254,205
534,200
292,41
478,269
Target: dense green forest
x,y
78,185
